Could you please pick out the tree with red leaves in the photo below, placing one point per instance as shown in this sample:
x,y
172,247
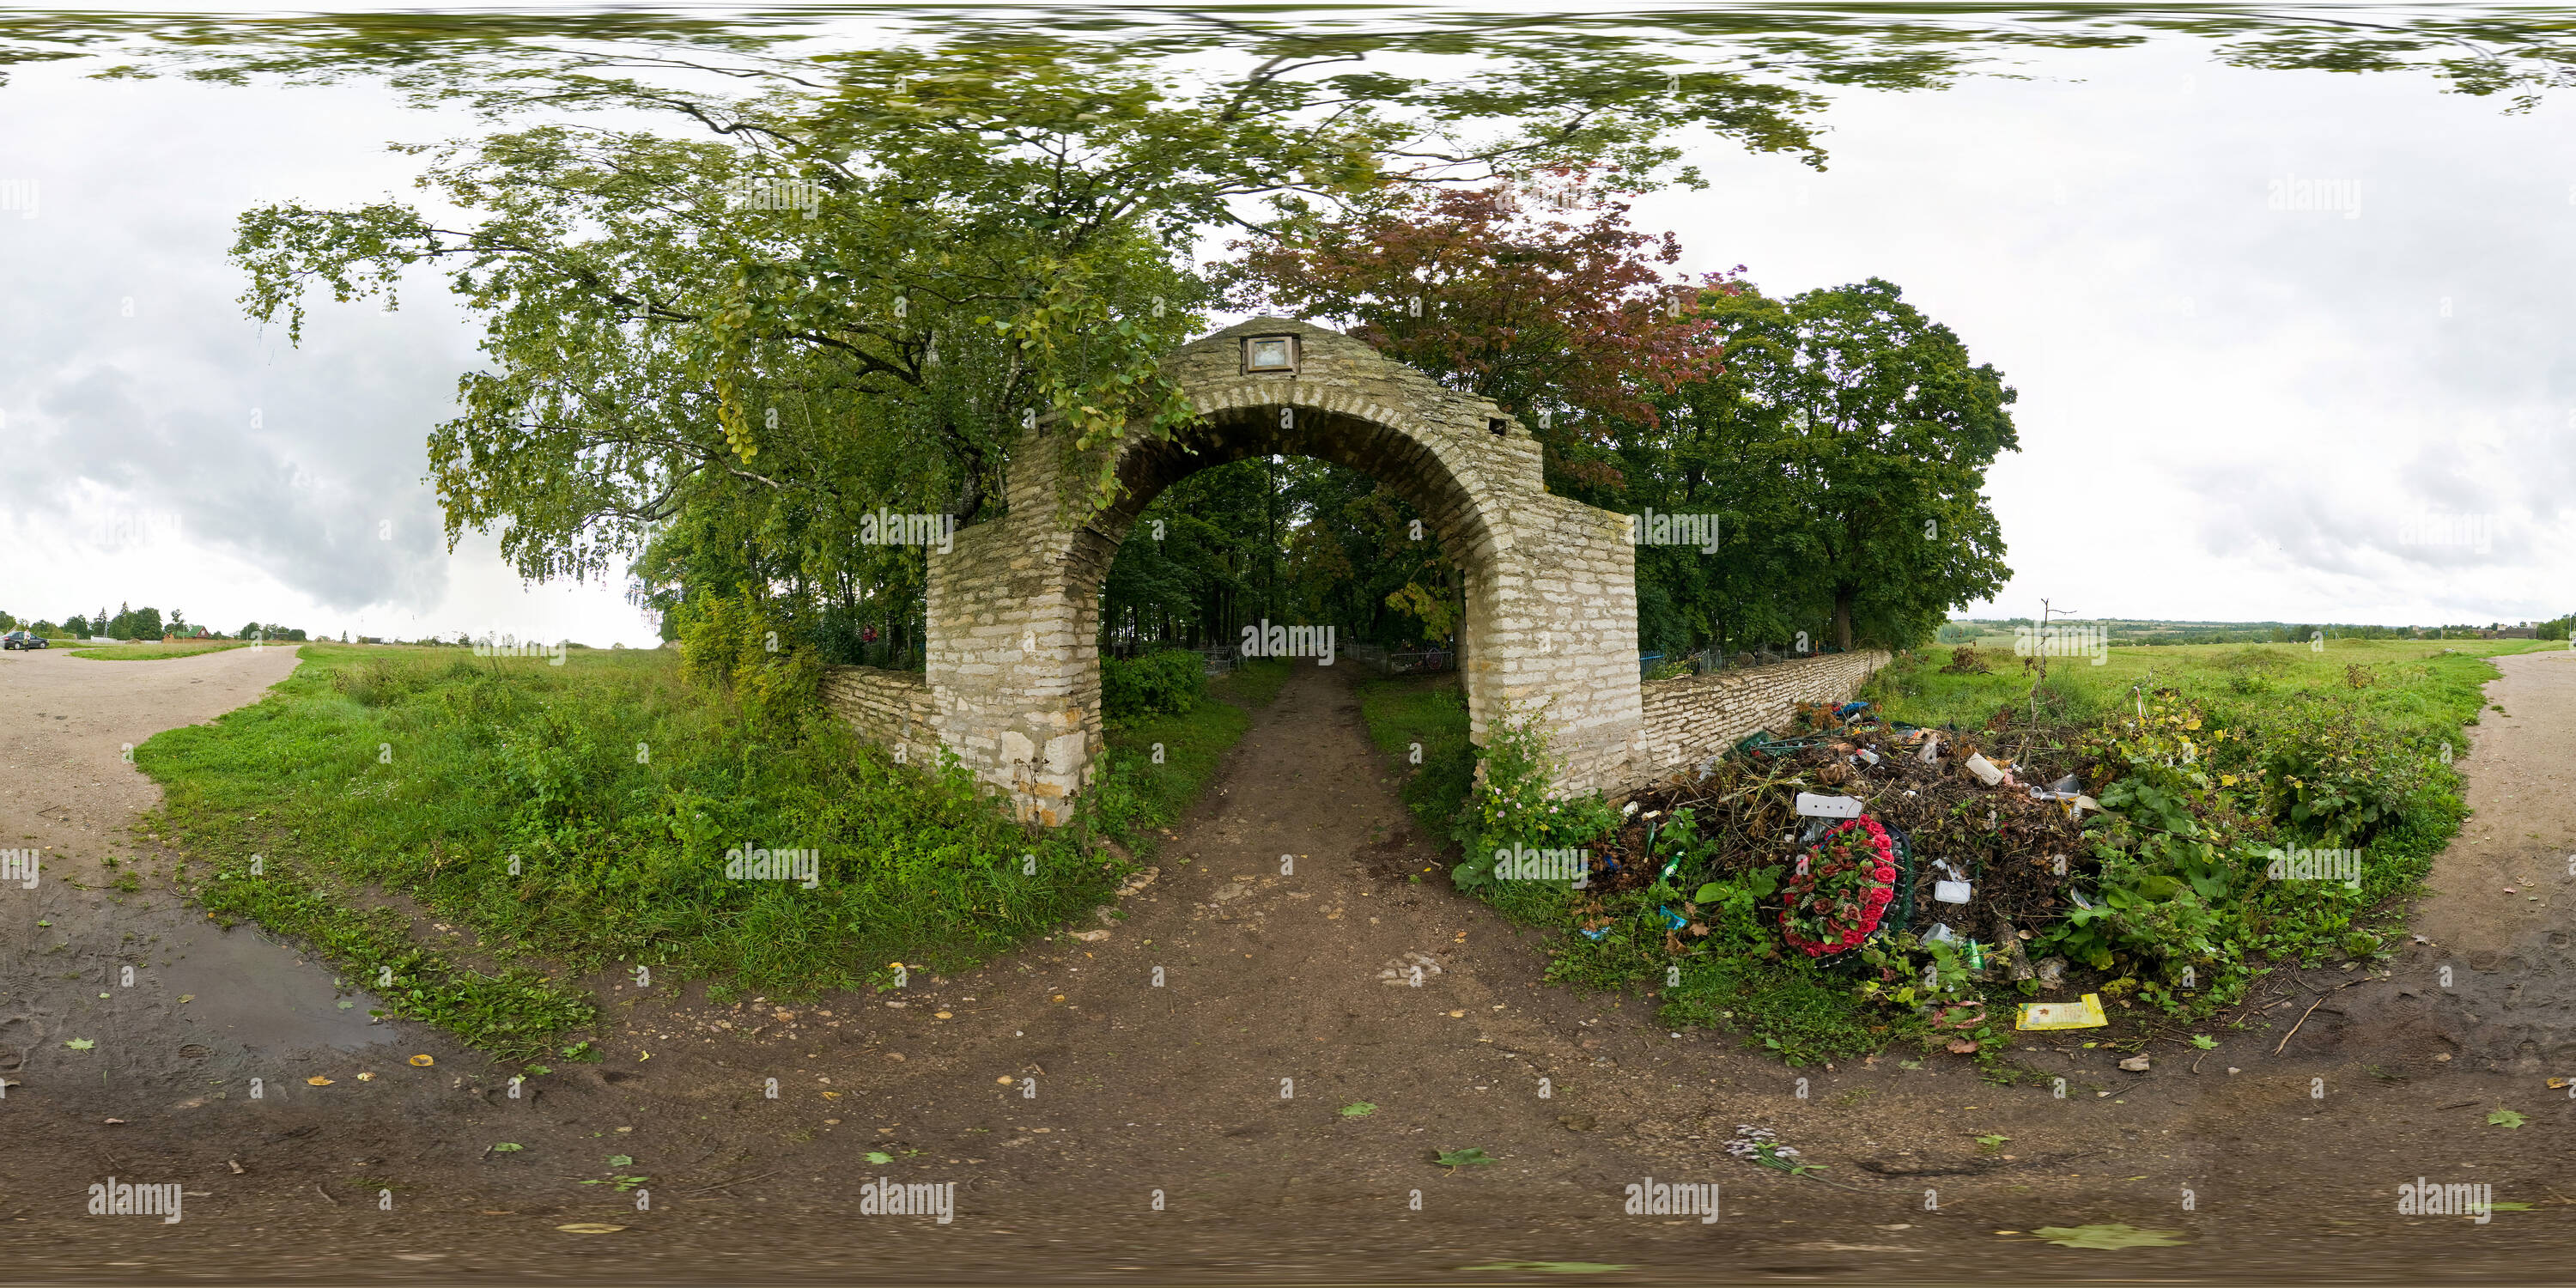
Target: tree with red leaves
x,y
1509,292
1539,296
1841,444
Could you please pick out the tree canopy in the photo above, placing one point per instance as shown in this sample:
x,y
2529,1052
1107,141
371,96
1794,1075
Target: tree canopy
x,y
746,279
868,276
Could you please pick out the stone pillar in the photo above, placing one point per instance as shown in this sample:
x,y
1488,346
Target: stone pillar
x,y
1013,654
1552,637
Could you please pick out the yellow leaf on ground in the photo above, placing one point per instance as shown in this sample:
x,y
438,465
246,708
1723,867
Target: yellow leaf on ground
x,y
422,1061
317,1080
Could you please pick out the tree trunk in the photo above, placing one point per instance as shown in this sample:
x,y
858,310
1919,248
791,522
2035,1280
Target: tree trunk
x,y
1843,597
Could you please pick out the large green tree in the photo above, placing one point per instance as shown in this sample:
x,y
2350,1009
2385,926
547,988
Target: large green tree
x,y
865,277
1855,434
1818,431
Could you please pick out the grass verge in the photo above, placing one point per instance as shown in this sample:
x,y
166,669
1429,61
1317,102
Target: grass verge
x,y
580,817
1421,723
157,652
2415,688
1157,765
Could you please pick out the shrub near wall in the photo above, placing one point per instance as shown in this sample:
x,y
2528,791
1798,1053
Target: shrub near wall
x,y
1171,682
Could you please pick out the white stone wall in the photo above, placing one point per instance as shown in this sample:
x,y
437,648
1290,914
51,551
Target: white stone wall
x,y
889,708
1691,718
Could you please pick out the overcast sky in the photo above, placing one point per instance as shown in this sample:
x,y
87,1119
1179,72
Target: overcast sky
x,y
2227,411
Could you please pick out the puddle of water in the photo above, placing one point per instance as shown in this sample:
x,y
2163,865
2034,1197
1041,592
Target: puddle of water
x,y
246,994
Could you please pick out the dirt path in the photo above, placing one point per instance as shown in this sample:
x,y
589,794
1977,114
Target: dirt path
x,y
2504,892
1062,1090
68,792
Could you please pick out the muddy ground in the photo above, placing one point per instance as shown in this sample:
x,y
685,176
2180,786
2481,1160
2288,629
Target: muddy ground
x,y
1061,1089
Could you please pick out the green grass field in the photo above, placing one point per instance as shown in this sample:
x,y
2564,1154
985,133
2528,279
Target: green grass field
x,y
578,819
155,651
2422,688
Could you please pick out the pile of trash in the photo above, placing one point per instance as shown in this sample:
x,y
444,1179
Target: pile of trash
x,y
1993,835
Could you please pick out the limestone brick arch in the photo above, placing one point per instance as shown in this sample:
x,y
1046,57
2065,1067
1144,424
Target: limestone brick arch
x,y
1550,629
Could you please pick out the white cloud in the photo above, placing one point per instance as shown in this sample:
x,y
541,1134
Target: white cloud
x,y
2227,410
164,449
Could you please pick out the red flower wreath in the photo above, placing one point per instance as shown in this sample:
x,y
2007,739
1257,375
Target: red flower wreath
x,y
1838,901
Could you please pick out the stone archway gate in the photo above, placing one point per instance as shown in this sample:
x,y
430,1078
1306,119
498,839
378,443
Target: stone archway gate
x,y
1012,686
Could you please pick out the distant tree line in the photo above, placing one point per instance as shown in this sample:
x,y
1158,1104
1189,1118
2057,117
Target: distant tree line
x,y
2143,633
147,623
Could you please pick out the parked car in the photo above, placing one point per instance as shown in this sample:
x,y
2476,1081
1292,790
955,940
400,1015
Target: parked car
x,y
24,639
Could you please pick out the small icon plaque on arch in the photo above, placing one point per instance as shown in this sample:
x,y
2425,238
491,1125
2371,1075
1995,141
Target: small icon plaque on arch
x,y
1269,353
